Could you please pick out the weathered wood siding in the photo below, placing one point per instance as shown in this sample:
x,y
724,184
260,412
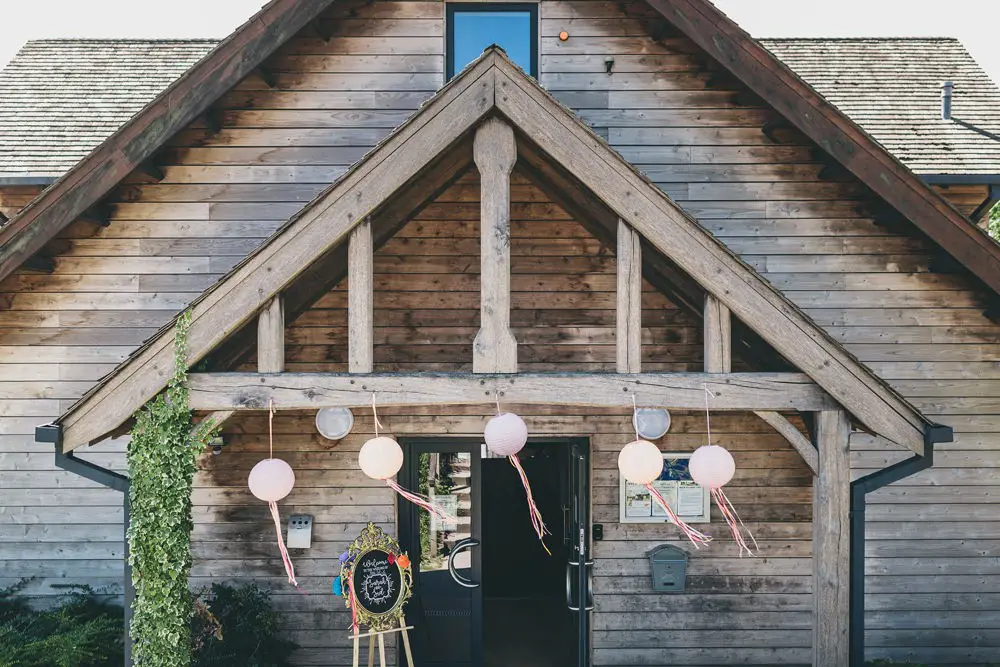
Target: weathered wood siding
x,y
885,293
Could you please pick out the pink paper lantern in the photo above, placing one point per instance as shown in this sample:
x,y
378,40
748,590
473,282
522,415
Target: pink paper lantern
x,y
640,462
506,434
271,480
712,466
381,457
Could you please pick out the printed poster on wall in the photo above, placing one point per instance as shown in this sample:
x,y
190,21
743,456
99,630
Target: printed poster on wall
x,y
690,501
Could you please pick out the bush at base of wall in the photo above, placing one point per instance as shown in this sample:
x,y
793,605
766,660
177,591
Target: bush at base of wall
x,y
237,626
82,630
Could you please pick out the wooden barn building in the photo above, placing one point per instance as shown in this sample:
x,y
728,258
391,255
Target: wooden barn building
x,y
629,203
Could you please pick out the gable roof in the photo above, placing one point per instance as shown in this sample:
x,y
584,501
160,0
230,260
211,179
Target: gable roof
x,y
891,87
494,85
774,82
59,98
56,101
141,137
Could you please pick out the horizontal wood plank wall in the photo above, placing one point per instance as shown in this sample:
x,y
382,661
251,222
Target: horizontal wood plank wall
x,y
878,288
765,601
221,196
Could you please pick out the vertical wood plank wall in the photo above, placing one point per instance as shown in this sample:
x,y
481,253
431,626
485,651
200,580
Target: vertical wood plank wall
x,y
933,539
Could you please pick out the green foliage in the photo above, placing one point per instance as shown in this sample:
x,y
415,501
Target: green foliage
x,y
994,226
162,459
82,630
237,626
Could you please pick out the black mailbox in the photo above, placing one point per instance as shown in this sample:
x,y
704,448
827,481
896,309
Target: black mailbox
x,y
669,568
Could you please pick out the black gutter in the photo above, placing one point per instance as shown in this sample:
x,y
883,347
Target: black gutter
x,y
28,180
52,433
860,488
960,179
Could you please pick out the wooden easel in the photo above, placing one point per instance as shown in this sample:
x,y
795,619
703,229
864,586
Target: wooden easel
x,y
381,645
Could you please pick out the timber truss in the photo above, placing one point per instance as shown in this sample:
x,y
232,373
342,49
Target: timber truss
x,y
495,117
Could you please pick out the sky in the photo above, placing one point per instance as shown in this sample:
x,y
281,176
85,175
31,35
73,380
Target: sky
x,y
975,22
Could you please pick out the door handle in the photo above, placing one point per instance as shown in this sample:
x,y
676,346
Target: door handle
x,y
589,604
467,543
569,588
590,586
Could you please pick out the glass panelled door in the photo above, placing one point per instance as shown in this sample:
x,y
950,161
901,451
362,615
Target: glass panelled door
x,y
446,610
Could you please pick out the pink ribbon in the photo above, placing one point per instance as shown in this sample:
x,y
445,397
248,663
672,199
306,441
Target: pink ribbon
x,y
289,568
697,537
421,501
536,515
735,522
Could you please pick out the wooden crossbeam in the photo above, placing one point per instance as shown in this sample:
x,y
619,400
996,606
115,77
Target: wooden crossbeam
x,y
360,300
292,391
628,313
495,348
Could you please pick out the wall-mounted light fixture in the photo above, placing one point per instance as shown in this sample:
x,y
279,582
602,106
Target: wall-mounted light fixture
x,y
609,64
651,423
334,423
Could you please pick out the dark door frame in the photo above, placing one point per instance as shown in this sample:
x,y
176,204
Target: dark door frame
x,y
579,452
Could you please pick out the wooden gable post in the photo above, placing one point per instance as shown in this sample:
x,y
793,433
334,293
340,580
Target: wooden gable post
x,y
360,300
628,311
271,337
495,348
718,337
832,541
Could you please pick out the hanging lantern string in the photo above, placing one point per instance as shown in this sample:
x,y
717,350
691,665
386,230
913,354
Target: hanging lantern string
x,y
378,424
535,514
270,428
729,512
496,395
635,417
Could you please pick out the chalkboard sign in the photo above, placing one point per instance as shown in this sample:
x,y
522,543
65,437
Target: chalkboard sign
x,y
378,583
376,579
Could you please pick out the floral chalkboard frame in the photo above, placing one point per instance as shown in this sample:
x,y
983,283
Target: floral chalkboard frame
x,y
373,538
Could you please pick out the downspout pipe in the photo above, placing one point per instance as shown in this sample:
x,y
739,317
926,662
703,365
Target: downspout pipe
x,y
52,434
860,488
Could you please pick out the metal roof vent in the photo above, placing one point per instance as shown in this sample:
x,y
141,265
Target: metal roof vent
x,y
947,88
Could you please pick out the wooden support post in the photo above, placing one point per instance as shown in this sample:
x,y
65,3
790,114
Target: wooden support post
x,y
271,337
495,348
629,308
832,541
718,337
360,300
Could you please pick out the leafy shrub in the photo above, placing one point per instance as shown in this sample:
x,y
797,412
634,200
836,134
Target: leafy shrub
x,y
82,630
237,626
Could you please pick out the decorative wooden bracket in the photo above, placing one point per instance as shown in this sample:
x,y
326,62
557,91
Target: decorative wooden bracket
x,y
151,170
794,436
629,309
267,76
360,299
494,151
271,337
718,337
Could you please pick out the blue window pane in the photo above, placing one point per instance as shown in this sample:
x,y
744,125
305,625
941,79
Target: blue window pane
x,y
473,31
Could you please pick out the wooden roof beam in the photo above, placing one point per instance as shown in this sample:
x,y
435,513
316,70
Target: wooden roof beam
x,y
311,391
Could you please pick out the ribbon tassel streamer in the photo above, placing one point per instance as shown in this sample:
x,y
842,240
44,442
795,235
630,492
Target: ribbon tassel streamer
x,y
697,537
289,568
536,515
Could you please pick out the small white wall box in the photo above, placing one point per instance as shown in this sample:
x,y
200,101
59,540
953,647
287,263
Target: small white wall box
x,y
300,530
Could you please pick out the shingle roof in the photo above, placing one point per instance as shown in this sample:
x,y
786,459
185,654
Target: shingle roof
x,y
60,98
891,87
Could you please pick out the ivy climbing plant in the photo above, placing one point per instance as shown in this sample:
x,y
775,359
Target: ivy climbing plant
x,y
162,459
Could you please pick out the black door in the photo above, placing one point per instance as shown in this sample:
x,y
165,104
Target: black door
x,y
486,592
446,609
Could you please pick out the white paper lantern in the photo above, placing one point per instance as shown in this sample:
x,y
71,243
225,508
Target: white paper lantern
x,y
381,457
506,434
712,466
651,423
640,462
334,423
271,480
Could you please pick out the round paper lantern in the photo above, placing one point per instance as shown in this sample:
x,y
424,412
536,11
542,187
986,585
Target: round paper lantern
x,y
651,423
271,480
640,462
334,423
381,457
712,466
506,434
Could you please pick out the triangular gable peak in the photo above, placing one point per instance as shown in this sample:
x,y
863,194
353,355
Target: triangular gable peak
x,y
493,86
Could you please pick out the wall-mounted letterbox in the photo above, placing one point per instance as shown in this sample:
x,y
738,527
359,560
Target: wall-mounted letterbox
x,y
669,568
